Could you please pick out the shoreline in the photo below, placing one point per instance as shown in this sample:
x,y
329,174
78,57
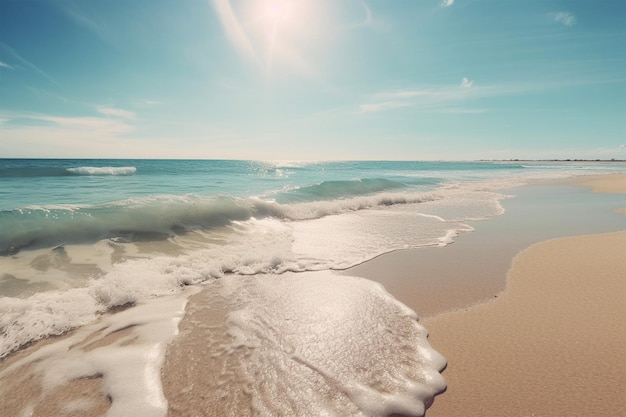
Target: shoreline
x,y
472,269
88,394
551,344
521,351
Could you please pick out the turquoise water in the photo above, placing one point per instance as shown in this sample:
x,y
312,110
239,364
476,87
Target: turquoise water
x,y
55,201
83,182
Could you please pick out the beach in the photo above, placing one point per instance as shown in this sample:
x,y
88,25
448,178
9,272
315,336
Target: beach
x,y
252,339
551,343
312,208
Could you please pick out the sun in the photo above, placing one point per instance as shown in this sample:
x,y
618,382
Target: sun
x,y
279,12
280,28
279,35
280,16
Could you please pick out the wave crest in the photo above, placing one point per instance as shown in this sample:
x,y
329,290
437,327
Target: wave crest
x,y
160,217
102,170
330,190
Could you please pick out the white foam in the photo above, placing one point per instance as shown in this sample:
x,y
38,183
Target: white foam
x,y
255,246
103,170
129,367
344,342
315,331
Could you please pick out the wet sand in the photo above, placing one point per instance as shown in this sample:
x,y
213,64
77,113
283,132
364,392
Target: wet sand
x,y
473,269
552,344
545,340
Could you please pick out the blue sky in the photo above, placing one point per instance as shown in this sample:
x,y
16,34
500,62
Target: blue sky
x,y
313,79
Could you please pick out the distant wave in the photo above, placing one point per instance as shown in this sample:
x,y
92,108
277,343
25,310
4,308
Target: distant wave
x,y
330,190
30,172
159,217
103,170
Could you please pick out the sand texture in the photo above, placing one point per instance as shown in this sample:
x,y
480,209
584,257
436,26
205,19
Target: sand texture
x,y
551,345
610,183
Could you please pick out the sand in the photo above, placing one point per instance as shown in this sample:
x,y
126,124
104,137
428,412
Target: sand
x,y
610,183
552,344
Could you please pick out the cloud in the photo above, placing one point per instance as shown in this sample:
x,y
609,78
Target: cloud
x,y
57,135
4,65
565,18
426,97
114,112
82,20
451,98
447,3
26,63
385,105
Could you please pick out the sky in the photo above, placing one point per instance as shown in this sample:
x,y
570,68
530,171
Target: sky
x,y
313,79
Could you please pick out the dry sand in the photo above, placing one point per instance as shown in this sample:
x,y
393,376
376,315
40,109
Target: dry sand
x,y
552,344
609,183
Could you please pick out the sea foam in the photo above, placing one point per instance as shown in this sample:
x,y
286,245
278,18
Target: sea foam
x,y
166,215
102,170
302,344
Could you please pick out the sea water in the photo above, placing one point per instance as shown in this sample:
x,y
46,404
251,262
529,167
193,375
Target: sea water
x,y
80,238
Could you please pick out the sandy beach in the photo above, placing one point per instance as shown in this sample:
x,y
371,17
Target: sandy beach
x,y
552,344
546,340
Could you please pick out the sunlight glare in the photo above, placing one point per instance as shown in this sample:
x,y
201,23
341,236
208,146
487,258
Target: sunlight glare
x,y
283,32
279,12
279,15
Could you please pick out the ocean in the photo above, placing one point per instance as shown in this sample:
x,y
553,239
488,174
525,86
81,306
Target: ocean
x,y
92,247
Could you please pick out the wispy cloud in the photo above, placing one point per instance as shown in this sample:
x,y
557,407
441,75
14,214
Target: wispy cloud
x,y
25,62
58,135
369,20
565,18
115,112
5,65
447,3
383,105
30,134
456,98
466,82
429,96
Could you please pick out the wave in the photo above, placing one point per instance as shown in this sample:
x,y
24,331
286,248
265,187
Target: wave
x,y
160,217
330,190
102,170
30,172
